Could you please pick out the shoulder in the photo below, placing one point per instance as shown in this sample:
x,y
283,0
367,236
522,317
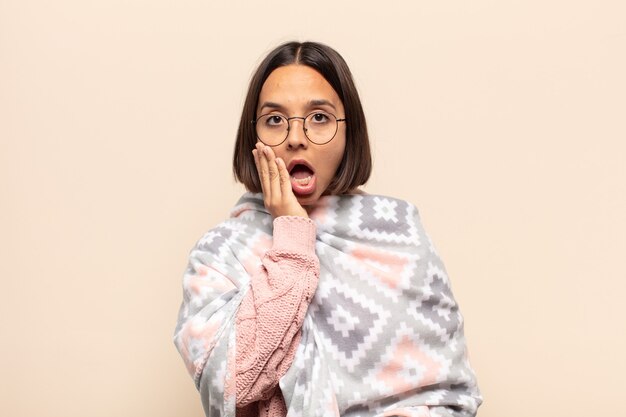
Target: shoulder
x,y
244,219
358,200
370,217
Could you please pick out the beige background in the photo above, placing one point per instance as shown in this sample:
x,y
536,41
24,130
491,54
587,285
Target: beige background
x,y
502,121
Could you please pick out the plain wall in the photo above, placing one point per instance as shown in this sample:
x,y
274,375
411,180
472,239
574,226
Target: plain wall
x,y
502,121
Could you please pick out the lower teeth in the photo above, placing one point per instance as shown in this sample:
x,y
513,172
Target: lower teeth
x,y
302,181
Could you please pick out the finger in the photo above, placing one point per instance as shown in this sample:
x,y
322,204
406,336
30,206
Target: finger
x,y
263,172
274,177
255,153
285,181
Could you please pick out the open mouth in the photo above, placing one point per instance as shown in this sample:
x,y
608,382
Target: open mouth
x,y
302,177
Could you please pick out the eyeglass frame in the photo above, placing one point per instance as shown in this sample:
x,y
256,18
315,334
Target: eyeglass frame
x,y
303,129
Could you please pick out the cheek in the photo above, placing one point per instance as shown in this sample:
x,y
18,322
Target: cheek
x,y
337,154
280,153
334,155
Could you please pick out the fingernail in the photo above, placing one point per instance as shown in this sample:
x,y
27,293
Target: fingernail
x,y
266,150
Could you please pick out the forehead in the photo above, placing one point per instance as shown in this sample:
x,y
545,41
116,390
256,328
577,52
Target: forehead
x,y
296,86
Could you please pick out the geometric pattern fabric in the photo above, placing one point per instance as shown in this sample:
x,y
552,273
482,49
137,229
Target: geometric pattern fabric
x,y
383,334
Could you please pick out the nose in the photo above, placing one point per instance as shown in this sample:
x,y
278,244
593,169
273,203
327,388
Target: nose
x,y
296,136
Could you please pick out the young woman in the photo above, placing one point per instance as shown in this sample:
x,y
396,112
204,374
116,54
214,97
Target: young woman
x,y
315,298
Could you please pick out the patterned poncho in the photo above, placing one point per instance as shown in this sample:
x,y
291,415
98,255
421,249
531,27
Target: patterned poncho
x,y
383,334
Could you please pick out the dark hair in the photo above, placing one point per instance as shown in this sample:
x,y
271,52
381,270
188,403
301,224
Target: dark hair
x,y
356,164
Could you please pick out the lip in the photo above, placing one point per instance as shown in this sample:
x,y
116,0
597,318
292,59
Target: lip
x,y
300,161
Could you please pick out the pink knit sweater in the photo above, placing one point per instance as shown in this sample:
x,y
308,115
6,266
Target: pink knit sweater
x,y
271,315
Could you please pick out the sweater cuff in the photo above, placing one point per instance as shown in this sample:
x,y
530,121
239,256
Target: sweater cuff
x,y
294,234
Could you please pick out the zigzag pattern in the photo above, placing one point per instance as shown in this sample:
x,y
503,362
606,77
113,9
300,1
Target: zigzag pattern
x,y
383,334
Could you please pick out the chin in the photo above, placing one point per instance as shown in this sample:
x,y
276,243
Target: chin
x,y
308,199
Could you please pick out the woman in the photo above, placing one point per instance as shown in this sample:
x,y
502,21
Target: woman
x,y
315,298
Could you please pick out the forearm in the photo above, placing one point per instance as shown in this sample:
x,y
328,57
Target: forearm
x,y
271,314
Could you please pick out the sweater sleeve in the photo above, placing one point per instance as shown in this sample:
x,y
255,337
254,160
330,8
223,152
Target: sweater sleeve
x,y
270,316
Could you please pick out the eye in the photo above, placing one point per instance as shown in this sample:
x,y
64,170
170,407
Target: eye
x,y
273,120
319,118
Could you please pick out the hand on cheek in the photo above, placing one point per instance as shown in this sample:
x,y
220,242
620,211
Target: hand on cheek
x,y
278,196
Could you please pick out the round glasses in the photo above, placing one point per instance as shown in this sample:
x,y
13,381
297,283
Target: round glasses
x,y
319,127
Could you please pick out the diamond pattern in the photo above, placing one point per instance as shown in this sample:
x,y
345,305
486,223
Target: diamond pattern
x,y
383,334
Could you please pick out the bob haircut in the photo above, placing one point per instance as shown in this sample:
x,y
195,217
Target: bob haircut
x,y
356,165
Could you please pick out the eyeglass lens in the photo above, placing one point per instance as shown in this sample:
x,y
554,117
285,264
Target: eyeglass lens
x,y
319,128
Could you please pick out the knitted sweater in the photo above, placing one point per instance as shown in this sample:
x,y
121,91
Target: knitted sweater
x,y
271,314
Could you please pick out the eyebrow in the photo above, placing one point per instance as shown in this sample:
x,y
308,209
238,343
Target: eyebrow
x,y
321,102
271,105
311,103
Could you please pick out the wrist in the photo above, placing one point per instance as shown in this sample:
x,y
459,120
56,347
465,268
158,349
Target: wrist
x,y
299,213
294,234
